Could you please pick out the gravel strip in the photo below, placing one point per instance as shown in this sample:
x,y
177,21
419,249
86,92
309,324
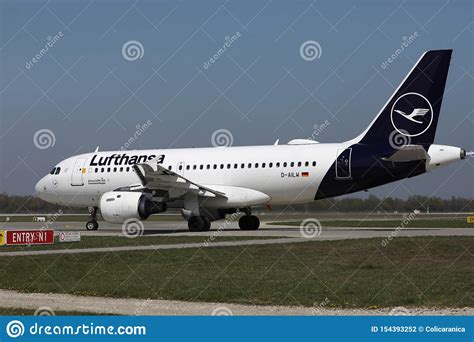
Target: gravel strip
x,y
156,307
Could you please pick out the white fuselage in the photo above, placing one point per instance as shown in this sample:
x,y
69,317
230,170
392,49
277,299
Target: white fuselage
x,y
276,171
253,175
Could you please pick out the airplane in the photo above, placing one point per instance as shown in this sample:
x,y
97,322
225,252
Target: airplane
x,y
209,183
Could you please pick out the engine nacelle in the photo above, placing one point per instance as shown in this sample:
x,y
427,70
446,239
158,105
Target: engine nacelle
x,y
441,155
119,206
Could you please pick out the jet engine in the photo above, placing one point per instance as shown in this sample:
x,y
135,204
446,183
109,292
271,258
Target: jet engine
x,y
118,206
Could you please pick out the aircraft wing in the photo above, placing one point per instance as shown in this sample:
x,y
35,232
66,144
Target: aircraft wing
x,y
154,176
408,153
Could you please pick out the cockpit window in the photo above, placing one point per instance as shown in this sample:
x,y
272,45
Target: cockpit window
x,y
55,171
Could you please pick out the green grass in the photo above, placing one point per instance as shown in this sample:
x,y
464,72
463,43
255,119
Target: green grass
x,y
30,312
116,241
417,271
416,223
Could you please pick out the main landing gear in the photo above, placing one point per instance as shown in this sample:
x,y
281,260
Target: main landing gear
x,y
249,222
92,224
199,224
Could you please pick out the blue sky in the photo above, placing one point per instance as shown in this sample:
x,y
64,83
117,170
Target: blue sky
x,y
87,94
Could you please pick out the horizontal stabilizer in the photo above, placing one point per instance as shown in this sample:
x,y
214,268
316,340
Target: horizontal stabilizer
x,y
408,153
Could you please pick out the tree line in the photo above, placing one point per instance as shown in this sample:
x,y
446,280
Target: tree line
x,y
30,204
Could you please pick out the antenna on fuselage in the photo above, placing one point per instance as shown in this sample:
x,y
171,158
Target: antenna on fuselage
x,y
97,149
276,142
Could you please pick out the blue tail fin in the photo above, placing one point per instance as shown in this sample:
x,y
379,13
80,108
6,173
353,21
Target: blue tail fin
x,y
411,114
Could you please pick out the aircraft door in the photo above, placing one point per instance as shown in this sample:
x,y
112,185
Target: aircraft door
x,y
78,172
343,164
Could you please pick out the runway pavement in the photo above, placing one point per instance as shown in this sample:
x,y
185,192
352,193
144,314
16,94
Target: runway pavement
x,y
179,228
156,247
277,234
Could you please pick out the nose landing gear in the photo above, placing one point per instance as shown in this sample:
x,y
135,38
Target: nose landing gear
x,y
92,224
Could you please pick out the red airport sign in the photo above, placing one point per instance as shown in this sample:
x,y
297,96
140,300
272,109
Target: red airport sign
x,y
29,237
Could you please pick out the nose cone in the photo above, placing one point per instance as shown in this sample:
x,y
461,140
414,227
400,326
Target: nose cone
x,y
40,188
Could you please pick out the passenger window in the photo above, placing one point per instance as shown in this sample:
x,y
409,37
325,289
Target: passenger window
x,y
187,167
121,168
208,166
194,167
270,165
215,166
299,163
102,169
256,165
242,166
108,169
128,169
250,165
222,166
228,166
115,169
292,164
236,166
314,163
180,167
263,165
285,164
96,170
278,164
201,167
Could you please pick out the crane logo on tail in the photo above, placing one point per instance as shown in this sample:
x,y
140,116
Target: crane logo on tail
x,y
412,114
